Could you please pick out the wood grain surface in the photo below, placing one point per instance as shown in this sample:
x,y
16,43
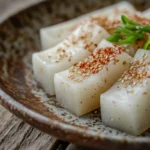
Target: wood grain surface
x,y
14,133
17,135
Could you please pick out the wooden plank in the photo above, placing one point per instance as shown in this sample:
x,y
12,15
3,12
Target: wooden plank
x,y
17,135
74,147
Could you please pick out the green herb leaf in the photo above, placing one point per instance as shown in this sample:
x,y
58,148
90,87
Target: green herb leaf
x,y
125,20
114,38
124,30
129,32
129,40
133,27
146,29
147,44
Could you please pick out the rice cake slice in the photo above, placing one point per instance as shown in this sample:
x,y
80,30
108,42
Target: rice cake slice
x,y
51,36
78,88
61,57
126,105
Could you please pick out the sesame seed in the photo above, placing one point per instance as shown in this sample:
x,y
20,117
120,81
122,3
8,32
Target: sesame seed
x,y
144,93
95,62
124,63
136,73
130,91
83,41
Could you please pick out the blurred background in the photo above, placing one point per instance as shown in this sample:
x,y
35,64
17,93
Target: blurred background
x,y
8,7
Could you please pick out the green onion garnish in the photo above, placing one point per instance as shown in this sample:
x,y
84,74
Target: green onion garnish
x,y
129,33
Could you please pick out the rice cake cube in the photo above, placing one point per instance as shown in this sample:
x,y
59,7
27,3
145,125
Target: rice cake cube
x,y
61,57
78,88
126,105
51,36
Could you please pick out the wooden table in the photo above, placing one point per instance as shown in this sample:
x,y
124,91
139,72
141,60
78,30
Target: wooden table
x,y
14,133
17,135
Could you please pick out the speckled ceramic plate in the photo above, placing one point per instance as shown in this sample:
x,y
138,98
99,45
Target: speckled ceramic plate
x,y
19,38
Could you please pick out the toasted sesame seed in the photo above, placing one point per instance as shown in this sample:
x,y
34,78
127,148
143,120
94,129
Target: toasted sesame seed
x,y
136,73
144,93
95,62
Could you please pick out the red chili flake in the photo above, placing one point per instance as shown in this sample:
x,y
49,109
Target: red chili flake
x,y
75,64
95,62
95,45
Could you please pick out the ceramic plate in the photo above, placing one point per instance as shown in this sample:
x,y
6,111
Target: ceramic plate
x,y
19,38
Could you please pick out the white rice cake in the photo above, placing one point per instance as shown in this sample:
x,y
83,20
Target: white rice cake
x,y
55,34
146,13
61,57
51,36
126,106
78,88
